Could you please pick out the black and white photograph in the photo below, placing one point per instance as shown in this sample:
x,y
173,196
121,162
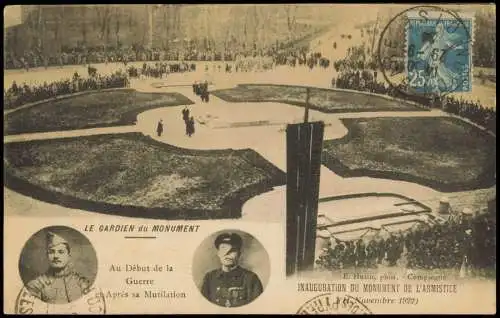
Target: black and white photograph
x,y
359,138
58,265
231,268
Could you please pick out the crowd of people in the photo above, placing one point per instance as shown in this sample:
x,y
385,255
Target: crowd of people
x,y
467,241
159,69
301,57
201,89
366,80
244,60
93,55
474,111
445,245
357,72
79,56
18,95
177,50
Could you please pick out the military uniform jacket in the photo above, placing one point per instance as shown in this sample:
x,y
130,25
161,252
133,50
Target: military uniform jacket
x,y
231,289
59,288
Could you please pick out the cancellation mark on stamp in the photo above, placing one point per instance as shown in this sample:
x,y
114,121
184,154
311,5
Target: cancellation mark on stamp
x,y
92,302
329,303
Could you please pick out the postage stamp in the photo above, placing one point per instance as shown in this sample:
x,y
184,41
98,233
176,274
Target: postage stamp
x,y
327,304
439,52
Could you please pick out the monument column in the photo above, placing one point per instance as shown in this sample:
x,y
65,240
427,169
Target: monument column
x,y
304,147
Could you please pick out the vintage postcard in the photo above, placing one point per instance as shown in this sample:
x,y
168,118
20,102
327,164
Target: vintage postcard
x,y
249,159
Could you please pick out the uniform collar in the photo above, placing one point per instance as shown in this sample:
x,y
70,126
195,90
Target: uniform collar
x,y
220,272
65,272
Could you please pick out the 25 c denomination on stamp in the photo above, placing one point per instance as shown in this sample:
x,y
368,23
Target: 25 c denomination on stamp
x,y
439,51
436,45
329,303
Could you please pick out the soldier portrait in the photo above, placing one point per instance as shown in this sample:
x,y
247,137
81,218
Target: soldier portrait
x,y
238,271
58,265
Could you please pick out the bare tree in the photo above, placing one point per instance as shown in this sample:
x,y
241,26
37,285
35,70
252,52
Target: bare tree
x,y
256,26
166,26
62,25
84,25
228,31
291,19
117,14
267,26
485,49
40,28
246,30
33,23
103,14
59,29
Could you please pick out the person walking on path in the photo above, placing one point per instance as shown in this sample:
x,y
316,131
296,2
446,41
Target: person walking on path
x,y
159,128
185,117
190,126
205,96
185,114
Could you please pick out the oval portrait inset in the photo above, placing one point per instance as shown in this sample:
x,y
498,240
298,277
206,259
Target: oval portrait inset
x,y
58,265
231,268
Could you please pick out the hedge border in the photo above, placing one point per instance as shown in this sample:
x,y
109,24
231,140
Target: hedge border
x,y
65,96
127,118
482,182
416,107
231,208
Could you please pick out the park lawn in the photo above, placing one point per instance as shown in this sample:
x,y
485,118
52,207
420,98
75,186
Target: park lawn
x,y
324,100
95,109
444,153
131,174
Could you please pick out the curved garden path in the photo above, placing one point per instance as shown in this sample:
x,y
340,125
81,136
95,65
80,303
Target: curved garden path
x,y
213,131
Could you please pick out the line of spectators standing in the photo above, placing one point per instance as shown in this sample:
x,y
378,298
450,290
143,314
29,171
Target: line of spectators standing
x,y
475,112
201,89
191,51
366,80
33,59
301,58
18,95
347,254
441,246
159,69
278,56
358,73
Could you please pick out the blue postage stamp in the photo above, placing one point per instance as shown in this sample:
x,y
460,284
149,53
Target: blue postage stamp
x,y
439,53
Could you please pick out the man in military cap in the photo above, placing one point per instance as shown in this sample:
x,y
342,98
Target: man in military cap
x,y
60,284
231,285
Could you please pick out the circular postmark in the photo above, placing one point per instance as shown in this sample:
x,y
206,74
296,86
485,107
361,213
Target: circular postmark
x,y
92,302
435,43
326,304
